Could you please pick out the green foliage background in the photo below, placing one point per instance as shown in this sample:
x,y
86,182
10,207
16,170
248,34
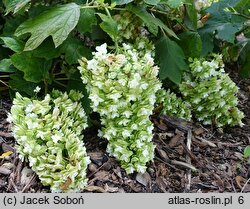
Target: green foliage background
x,y
41,41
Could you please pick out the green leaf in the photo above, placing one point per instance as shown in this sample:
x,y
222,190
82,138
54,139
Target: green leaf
x,y
86,21
171,60
247,151
152,2
57,22
109,26
121,2
245,71
149,19
190,18
207,43
15,6
13,43
17,83
11,25
47,50
34,69
222,23
6,66
191,44
74,50
175,3
76,83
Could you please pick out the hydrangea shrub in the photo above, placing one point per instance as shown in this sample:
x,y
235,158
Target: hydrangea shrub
x,y
122,88
49,136
211,92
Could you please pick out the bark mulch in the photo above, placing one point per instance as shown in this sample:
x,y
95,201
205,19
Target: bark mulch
x,y
188,158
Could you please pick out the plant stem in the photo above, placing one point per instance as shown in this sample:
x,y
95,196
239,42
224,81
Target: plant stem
x,y
157,11
99,7
62,79
45,87
4,83
59,83
4,76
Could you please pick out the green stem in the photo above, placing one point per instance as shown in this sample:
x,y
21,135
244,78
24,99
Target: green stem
x,y
55,74
4,76
242,15
4,83
63,79
99,7
45,87
158,11
59,83
108,13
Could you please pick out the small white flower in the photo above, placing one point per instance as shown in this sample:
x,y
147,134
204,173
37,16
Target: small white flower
x,y
200,108
196,100
126,134
127,113
37,89
130,170
29,108
134,127
27,149
126,46
141,45
56,138
40,134
115,96
205,95
199,68
92,65
113,108
9,118
133,84
31,124
144,86
139,143
118,149
141,169
222,92
102,49
122,82
96,99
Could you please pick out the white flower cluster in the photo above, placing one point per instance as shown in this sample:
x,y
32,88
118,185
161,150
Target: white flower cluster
x,y
173,105
49,136
211,92
129,25
122,88
201,4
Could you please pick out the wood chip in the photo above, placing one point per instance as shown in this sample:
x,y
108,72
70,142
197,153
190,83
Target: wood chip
x,y
97,157
6,134
5,171
206,142
162,153
162,183
143,178
107,188
8,165
230,144
176,140
95,189
239,181
7,147
183,164
92,167
199,131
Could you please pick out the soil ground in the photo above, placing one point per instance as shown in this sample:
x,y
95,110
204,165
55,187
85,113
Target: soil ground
x,y
213,164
